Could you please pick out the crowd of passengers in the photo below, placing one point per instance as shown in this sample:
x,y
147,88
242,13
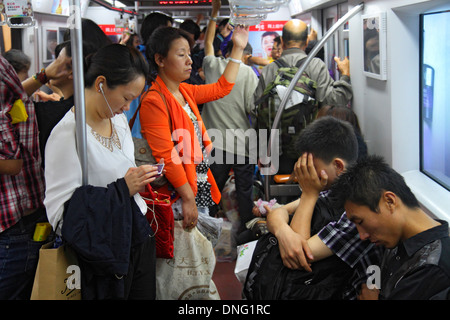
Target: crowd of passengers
x,y
185,78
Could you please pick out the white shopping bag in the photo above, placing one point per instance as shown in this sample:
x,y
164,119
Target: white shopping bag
x,y
188,276
244,257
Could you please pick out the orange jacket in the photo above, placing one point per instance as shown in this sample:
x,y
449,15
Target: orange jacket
x,y
181,161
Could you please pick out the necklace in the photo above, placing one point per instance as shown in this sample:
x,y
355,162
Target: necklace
x,y
179,97
108,142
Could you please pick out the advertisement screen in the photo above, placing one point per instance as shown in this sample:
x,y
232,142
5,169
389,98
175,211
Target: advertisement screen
x,y
261,37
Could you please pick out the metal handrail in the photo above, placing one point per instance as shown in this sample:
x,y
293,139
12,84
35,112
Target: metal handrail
x,y
302,68
76,40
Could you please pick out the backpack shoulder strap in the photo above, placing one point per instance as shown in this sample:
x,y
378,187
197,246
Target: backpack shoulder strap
x,y
300,62
281,63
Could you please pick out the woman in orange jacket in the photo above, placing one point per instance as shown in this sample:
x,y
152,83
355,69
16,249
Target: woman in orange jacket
x,y
171,122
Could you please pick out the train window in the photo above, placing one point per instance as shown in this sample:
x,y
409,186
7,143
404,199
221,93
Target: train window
x,y
434,97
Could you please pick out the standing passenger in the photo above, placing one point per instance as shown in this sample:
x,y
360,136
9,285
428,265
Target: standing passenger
x,y
187,169
21,189
294,40
49,113
277,49
104,220
151,22
20,62
171,110
230,115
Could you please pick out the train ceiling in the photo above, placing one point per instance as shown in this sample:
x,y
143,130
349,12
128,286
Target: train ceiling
x,y
181,9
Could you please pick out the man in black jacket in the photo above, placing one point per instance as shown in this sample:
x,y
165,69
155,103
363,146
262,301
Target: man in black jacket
x,y
416,264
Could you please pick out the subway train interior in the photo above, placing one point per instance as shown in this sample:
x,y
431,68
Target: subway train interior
x,y
398,85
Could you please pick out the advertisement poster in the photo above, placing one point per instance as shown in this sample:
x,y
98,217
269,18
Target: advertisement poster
x,y
112,31
60,7
261,37
17,8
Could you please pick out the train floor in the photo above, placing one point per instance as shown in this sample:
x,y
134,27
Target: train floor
x,y
226,282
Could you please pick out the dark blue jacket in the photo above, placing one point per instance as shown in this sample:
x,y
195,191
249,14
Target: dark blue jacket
x,y
102,225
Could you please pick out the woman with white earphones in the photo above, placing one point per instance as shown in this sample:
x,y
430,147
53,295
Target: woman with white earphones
x,y
104,221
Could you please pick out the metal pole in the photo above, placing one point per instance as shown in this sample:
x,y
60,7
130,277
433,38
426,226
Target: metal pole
x,y
136,8
302,68
76,40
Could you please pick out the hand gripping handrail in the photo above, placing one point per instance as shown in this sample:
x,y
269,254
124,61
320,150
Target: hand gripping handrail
x,y
302,68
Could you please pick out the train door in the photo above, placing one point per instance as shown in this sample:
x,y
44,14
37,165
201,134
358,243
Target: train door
x,y
9,37
338,44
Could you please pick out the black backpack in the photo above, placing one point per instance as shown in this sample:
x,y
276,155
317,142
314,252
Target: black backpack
x,y
269,279
294,118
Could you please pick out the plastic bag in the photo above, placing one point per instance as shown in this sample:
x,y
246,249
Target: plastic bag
x,y
209,226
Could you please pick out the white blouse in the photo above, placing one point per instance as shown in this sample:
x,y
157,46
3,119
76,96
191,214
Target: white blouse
x,y
63,167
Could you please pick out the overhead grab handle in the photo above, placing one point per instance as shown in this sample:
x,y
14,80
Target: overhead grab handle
x,y
30,23
252,12
20,11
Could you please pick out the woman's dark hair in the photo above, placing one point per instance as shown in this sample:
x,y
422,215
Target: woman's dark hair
x,y
247,50
160,43
191,27
277,40
131,39
61,46
346,114
19,60
117,63
310,46
223,23
93,37
152,22
343,113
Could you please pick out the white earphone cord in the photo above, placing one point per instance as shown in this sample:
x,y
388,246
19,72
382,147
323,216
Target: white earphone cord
x,y
113,120
134,165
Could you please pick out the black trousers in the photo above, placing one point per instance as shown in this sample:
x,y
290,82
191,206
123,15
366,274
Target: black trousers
x,y
141,280
244,176
138,284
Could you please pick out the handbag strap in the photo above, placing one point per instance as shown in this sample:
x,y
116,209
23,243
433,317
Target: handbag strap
x,y
133,119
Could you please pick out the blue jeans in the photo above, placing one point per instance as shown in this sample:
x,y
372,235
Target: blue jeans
x,y
18,257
